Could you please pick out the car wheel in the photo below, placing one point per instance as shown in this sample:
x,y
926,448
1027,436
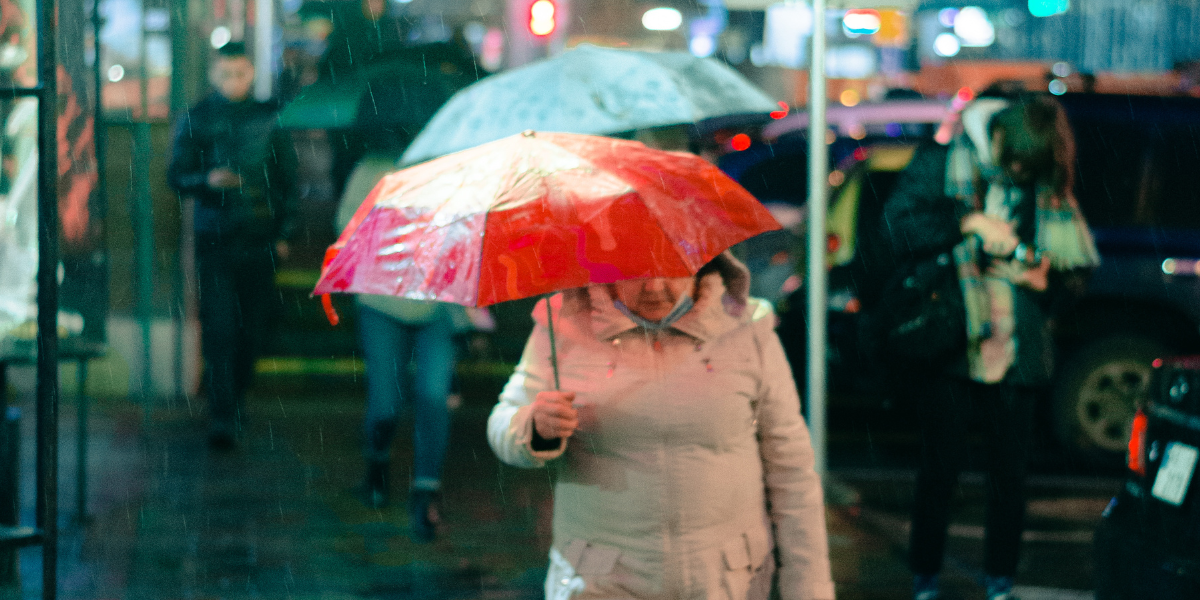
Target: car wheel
x,y
1098,391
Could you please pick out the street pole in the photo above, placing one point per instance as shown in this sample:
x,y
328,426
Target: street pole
x,y
144,223
264,46
818,172
47,391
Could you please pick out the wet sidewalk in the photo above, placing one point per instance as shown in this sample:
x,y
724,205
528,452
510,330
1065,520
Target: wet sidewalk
x,y
277,517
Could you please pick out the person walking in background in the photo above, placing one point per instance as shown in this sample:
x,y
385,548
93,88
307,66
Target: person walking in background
x,y
229,155
397,333
998,200
684,467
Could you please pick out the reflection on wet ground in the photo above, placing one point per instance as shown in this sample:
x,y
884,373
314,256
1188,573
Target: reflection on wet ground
x,y
278,518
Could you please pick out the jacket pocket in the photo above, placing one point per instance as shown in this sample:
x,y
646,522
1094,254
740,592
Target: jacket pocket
x,y
591,559
749,566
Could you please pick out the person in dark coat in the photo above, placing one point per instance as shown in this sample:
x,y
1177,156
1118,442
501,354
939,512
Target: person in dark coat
x,y
997,199
229,155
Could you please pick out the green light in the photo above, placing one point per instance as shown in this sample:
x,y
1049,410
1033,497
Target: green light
x,y
1047,8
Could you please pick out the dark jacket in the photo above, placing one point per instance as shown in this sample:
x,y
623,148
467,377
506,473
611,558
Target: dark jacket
x,y
244,137
921,221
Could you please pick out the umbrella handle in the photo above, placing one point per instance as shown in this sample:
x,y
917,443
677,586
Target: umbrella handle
x,y
553,353
330,313
327,302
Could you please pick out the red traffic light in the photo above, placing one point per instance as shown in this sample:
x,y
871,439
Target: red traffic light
x,y
543,19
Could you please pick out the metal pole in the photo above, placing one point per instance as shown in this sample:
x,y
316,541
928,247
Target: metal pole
x,y
81,442
101,129
47,297
144,223
818,173
180,68
264,46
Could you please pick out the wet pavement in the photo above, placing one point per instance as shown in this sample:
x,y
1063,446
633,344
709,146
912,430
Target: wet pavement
x,y
278,518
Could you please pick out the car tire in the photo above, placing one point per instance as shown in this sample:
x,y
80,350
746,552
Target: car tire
x,y
1098,390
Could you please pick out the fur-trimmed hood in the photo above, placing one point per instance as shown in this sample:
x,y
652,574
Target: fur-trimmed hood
x,y
721,303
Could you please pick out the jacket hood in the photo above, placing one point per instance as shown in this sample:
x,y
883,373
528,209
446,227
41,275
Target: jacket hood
x,y
721,303
976,118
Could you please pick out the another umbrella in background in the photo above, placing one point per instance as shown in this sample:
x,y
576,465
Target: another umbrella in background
x,y
590,90
402,92
536,213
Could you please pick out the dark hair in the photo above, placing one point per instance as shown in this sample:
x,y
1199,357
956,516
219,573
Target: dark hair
x,y
1037,135
233,50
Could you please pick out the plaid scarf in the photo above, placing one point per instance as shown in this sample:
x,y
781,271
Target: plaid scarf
x,y
1061,234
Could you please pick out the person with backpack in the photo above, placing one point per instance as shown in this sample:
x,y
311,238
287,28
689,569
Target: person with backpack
x,y
989,241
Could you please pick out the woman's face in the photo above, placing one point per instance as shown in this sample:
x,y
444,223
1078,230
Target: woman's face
x,y
1014,169
653,299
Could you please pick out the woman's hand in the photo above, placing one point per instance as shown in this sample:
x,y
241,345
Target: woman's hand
x,y
553,416
223,178
997,235
1035,278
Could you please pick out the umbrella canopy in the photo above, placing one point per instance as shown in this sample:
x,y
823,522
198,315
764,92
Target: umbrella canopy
x,y
535,213
589,90
396,93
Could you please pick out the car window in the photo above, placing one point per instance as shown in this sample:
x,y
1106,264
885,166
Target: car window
x,y
781,178
1110,169
1171,195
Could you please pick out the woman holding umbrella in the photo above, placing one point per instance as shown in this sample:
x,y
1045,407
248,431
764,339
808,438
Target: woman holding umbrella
x,y
685,468
682,458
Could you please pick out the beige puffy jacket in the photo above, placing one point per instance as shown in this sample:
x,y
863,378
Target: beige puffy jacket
x,y
685,440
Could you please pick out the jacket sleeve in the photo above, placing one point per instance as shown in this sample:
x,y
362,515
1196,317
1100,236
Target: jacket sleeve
x,y
794,493
186,172
510,426
919,220
284,188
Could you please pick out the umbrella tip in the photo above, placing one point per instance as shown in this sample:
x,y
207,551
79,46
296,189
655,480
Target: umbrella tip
x,y
527,133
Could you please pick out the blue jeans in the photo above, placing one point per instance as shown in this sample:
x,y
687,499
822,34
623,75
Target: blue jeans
x,y
388,348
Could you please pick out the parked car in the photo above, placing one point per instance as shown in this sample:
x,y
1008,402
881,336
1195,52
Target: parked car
x,y
1137,163
1148,543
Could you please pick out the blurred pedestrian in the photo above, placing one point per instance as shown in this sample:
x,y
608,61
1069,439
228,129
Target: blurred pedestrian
x,y
362,32
998,200
229,155
684,467
410,352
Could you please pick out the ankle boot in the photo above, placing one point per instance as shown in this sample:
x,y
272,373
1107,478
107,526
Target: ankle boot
x,y
423,514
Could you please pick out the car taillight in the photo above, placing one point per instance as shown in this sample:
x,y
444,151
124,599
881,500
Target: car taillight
x,y
1137,444
832,243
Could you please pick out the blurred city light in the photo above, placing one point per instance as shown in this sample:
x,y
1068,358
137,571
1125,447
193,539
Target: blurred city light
x,y
964,95
849,98
946,44
157,19
740,142
851,61
893,29
1061,69
785,29
662,19
973,27
1048,8
1057,87
491,49
782,112
702,45
220,36
946,16
862,21
116,73
542,20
